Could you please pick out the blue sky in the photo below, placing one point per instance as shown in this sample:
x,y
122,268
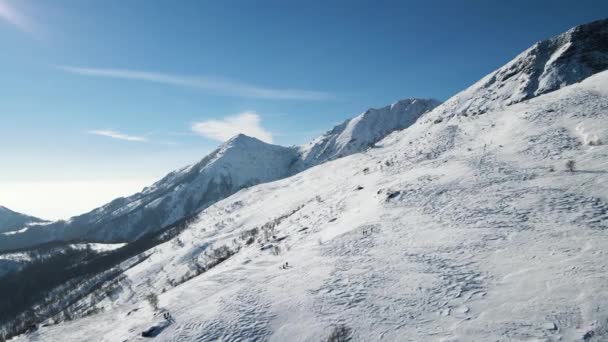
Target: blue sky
x,y
107,96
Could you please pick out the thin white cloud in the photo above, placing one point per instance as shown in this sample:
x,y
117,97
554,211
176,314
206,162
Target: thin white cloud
x,y
117,135
15,18
213,85
248,123
169,143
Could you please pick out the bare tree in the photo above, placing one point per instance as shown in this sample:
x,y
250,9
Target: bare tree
x,y
570,165
339,333
152,299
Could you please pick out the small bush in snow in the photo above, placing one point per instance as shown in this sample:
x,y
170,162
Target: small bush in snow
x,y
222,253
152,299
570,165
246,235
178,242
339,333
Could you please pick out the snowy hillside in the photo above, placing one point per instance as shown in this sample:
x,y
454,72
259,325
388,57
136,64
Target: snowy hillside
x,y
240,162
10,220
477,228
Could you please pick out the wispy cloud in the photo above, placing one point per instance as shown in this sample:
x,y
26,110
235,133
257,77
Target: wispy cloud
x,y
118,135
169,143
212,85
16,18
248,123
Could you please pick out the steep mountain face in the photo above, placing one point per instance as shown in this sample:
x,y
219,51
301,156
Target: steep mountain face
x,y
546,66
454,230
239,163
11,220
363,131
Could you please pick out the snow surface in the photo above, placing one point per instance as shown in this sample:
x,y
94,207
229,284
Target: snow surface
x,y
467,230
98,247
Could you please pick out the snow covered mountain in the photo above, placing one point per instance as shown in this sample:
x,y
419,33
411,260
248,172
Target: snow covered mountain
x,y
240,162
11,220
546,66
469,228
363,131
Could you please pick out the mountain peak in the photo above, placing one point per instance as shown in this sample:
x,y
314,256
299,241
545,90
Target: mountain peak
x,y
242,140
412,100
241,136
570,57
242,143
363,131
544,67
11,220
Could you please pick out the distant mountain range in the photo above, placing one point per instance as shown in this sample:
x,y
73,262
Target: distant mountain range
x,y
11,220
238,163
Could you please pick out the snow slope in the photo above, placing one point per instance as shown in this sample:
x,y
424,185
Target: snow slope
x,y
10,220
469,229
241,162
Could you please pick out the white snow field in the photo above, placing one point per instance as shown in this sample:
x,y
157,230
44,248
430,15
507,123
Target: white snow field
x,y
468,228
